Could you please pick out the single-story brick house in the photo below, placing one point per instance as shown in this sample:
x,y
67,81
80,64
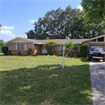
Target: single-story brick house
x,y
18,44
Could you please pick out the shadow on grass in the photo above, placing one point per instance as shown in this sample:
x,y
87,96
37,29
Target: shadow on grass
x,y
46,85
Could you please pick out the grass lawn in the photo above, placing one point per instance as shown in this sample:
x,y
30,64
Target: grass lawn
x,y
41,80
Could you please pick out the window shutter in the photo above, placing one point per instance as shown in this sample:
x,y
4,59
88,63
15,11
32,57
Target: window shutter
x,y
25,46
16,46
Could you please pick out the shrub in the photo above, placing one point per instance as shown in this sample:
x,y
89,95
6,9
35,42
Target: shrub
x,y
30,51
19,53
2,44
5,50
60,54
9,52
83,50
49,45
69,46
72,54
75,47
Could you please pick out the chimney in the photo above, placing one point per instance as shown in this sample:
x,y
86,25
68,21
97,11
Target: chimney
x,y
47,38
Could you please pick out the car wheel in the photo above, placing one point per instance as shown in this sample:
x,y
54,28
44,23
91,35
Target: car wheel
x,y
104,60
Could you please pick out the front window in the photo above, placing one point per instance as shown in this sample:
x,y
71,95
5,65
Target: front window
x,y
96,49
20,46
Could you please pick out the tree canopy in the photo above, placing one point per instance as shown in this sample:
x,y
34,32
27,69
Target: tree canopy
x,y
2,44
94,9
68,23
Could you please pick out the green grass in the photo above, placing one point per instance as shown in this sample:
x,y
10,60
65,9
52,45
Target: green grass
x,y
41,80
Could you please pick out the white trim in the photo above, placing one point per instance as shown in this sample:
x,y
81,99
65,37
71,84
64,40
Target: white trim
x,y
16,46
25,46
94,38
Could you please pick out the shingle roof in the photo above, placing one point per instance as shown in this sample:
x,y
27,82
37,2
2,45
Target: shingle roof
x,y
60,41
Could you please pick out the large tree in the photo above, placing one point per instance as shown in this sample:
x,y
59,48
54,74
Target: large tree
x,y
83,29
94,9
68,23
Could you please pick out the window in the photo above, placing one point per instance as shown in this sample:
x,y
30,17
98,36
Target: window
x,y
96,49
100,39
20,46
94,40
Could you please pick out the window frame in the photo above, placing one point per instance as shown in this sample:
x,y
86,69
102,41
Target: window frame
x,y
21,47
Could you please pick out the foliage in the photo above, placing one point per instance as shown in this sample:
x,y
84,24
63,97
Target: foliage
x,y
68,23
41,80
69,46
75,47
83,50
49,45
19,53
94,9
60,54
86,29
1,45
5,50
30,51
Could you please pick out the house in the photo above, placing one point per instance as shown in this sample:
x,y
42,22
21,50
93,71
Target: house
x,y
18,44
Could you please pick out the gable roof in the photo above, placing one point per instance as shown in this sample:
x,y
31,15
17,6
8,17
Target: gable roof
x,y
95,38
60,41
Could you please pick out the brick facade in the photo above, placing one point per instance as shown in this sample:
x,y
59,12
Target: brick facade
x,y
16,52
69,53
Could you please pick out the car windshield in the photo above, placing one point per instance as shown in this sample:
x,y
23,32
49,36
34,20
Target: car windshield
x,y
96,49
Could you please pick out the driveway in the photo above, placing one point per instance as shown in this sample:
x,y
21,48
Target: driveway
x,y
97,71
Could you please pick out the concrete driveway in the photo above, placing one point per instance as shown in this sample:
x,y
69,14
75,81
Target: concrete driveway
x,y
97,71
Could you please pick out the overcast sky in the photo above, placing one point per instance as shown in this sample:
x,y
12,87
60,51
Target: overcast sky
x,y
17,16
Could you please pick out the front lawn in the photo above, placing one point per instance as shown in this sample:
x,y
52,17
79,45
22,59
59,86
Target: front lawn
x,y
41,80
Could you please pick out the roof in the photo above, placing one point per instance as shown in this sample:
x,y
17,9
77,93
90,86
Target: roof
x,y
95,38
60,41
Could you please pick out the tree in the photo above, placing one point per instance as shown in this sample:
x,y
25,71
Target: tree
x,y
94,9
30,34
82,29
5,50
2,44
68,23
69,46
49,45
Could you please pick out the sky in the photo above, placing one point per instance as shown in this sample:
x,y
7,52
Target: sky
x,y
17,16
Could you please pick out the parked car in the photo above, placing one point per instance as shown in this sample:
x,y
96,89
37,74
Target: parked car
x,y
96,52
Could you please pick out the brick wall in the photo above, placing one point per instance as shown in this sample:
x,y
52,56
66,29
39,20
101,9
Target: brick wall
x,y
15,52
69,53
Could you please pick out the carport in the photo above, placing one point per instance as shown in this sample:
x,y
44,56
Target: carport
x,y
97,41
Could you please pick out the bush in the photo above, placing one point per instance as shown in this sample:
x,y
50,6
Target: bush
x,y
69,46
49,46
72,53
60,54
5,50
83,50
2,44
30,51
9,52
19,53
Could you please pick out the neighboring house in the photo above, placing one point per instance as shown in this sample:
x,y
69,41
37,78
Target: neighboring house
x,y
22,44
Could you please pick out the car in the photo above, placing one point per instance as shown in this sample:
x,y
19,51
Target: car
x,y
96,52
